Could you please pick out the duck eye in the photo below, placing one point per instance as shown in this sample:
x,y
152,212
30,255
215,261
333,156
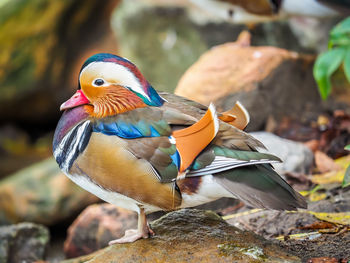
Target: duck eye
x,y
99,82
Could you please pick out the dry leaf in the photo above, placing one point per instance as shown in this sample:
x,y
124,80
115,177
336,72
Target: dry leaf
x,y
314,197
328,178
333,176
342,218
324,163
318,225
343,162
300,236
323,260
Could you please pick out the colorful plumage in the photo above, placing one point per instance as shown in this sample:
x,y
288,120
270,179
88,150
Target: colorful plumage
x,y
132,147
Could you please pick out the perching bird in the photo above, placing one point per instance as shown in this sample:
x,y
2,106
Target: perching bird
x,y
252,11
130,146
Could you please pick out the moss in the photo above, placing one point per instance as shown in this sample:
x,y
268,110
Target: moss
x,y
27,36
256,253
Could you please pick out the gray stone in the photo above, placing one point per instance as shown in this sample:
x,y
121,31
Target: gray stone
x,y
296,156
24,242
41,193
161,41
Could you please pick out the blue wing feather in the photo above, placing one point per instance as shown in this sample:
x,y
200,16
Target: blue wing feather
x,y
126,130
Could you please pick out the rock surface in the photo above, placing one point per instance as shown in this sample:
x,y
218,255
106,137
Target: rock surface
x,y
41,193
161,41
193,236
296,156
95,227
321,240
25,242
43,44
165,37
269,81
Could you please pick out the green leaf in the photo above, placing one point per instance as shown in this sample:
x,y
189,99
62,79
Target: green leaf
x,y
339,41
347,65
347,147
342,29
346,180
326,64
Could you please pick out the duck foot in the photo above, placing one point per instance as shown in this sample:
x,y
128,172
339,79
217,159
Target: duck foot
x,y
131,235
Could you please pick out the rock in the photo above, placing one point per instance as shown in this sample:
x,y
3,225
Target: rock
x,y
269,81
193,236
95,227
322,243
164,37
18,151
41,193
25,242
43,45
100,223
296,157
271,223
161,41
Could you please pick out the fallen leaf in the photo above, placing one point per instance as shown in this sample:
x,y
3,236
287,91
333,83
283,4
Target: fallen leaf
x,y
343,162
328,178
252,211
323,260
346,180
324,163
300,236
314,197
318,225
337,176
342,218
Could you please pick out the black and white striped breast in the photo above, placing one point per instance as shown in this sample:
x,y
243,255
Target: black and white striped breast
x,y
71,137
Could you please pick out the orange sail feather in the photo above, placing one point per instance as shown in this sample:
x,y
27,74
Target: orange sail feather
x,y
192,140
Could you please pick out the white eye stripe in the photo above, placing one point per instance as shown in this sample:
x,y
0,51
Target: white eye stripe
x,y
113,71
105,82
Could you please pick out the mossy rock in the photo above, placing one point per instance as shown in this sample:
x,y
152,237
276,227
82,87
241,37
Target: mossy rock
x,y
191,235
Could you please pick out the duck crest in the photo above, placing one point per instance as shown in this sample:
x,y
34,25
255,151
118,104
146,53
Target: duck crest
x,y
145,92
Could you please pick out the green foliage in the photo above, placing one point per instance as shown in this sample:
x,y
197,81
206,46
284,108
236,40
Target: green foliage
x,y
346,180
338,54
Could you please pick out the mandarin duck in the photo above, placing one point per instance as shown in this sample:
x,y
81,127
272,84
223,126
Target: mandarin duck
x,y
146,151
252,11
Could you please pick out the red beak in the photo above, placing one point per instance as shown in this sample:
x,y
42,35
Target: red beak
x,y
77,99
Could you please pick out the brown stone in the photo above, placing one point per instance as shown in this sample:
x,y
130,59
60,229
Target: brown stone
x,y
95,227
269,81
190,235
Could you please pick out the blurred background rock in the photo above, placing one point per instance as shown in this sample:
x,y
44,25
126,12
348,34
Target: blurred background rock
x,y
43,45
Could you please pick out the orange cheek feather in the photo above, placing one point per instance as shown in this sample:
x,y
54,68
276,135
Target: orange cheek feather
x,y
111,100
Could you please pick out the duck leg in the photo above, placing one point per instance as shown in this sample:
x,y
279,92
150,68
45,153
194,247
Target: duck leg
x,y
131,235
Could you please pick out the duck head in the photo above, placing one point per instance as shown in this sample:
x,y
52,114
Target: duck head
x,y
110,85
